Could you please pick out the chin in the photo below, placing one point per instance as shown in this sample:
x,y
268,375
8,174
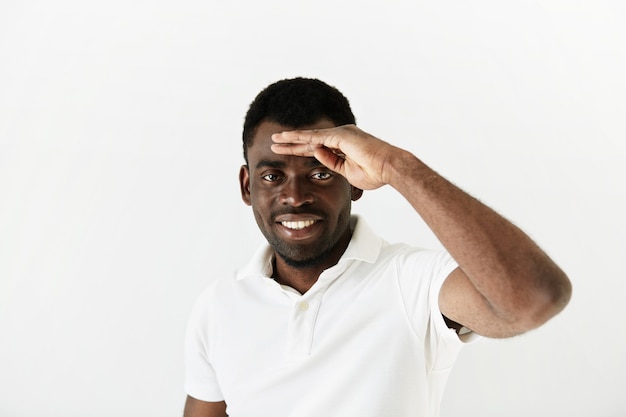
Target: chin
x,y
305,263
302,258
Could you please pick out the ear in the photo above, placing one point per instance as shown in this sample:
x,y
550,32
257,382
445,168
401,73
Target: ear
x,y
356,193
244,184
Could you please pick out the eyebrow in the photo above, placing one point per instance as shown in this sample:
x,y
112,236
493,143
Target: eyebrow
x,y
268,163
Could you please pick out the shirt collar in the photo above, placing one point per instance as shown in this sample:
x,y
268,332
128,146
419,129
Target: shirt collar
x,y
364,246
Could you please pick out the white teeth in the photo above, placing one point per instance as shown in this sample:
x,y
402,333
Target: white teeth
x,y
298,225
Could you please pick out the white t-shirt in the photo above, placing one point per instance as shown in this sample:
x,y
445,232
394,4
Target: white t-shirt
x,y
366,340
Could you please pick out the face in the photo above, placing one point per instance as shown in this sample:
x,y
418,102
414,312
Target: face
x,y
301,207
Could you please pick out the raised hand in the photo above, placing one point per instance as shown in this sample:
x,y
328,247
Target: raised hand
x,y
364,160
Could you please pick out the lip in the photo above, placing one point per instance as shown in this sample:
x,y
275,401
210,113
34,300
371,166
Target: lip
x,y
293,217
307,232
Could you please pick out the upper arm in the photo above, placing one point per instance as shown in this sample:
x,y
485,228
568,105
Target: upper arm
x,y
460,302
198,408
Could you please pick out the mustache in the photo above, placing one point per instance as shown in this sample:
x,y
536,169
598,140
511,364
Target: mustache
x,y
295,210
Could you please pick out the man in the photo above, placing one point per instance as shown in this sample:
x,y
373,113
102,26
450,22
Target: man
x,y
330,320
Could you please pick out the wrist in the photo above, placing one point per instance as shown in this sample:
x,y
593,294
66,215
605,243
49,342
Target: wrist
x,y
406,171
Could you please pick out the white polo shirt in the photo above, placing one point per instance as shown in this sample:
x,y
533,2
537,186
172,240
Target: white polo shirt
x,y
366,340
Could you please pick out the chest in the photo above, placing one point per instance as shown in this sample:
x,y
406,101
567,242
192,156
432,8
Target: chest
x,y
267,340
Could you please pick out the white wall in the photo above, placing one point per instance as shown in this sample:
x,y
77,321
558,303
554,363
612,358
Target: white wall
x,y
120,146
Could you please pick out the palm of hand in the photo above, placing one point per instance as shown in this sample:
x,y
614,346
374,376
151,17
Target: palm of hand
x,y
358,156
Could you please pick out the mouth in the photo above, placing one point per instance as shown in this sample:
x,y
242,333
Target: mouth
x,y
298,225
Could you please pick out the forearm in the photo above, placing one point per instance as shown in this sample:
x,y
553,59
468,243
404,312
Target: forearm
x,y
503,276
198,408
510,271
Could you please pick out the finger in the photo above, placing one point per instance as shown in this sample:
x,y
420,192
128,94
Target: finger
x,y
330,159
315,137
302,149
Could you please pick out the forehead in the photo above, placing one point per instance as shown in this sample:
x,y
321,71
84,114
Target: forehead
x,y
260,149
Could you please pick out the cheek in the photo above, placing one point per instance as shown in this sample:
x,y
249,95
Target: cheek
x,y
262,195
346,193
261,203
261,220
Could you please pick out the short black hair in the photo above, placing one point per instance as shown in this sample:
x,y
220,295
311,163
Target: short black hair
x,y
295,103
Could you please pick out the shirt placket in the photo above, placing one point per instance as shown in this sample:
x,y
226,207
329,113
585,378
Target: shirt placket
x,y
305,311
302,325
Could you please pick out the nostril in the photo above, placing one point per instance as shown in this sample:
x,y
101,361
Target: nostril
x,y
296,192
296,198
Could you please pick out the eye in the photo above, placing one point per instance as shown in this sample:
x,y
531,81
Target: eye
x,y
322,175
270,177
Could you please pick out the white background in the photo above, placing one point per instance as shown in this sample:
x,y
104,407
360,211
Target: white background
x,y
120,126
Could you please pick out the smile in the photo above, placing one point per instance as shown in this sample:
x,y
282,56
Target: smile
x,y
298,225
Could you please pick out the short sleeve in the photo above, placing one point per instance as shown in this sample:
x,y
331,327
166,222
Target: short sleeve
x,y
421,276
200,379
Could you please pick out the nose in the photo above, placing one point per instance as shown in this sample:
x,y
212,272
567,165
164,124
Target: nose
x,y
296,192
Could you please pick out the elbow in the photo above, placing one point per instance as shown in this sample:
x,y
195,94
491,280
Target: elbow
x,y
544,300
562,292
558,293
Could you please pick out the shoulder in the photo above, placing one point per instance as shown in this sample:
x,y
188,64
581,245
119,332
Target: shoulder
x,y
213,292
371,248
419,273
416,260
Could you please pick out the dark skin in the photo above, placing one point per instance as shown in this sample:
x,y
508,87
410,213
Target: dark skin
x,y
505,284
291,189
197,408
287,192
